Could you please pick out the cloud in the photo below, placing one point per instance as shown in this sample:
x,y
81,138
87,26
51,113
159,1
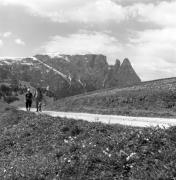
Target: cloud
x,y
19,42
153,53
7,34
131,2
83,11
162,13
97,11
84,42
1,43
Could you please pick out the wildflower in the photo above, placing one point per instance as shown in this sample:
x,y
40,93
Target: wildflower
x,y
65,141
147,139
130,156
159,151
131,166
105,153
123,153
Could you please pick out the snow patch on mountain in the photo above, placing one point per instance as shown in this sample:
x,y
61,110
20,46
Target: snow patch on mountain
x,y
11,58
66,58
57,55
53,69
54,55
26,63
7,62
34,58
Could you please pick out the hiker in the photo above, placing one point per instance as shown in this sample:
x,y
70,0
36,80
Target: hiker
x,y
28,97
38,98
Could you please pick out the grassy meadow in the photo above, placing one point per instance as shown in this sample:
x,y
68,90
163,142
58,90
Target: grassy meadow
x,y
39,147
153,99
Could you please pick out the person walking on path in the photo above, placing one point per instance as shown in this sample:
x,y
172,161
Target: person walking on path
x,y
28,97
38,98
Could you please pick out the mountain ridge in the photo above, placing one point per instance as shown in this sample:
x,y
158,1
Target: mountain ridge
x,y
69,74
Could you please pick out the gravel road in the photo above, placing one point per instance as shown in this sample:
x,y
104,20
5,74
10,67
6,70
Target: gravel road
x,y
113,119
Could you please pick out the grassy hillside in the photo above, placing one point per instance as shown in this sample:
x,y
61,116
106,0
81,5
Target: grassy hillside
x,y
153,98
44,148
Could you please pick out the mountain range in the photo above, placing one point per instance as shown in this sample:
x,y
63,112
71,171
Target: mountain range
x,y
67,75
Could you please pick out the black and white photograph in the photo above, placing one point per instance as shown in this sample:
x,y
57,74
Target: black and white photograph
x,y
87,89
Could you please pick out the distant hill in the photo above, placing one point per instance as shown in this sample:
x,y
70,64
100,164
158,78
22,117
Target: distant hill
x,y
152,98
67,75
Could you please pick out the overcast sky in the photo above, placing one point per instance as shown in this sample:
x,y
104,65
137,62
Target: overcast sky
x,y
142,30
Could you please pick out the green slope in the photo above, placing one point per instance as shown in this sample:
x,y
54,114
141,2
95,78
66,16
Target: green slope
x,y
153,98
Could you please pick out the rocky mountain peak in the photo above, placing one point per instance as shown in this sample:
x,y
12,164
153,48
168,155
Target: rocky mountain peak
x,y
126,62
126,74
122,75
117,65
126,67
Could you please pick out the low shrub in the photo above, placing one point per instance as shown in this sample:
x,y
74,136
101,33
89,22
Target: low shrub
x,y
10,99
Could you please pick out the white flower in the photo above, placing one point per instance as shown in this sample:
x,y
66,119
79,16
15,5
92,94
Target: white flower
x,y
65,141
105,152
130,156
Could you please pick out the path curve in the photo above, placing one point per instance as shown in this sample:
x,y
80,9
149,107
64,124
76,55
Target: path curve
x,y
113,119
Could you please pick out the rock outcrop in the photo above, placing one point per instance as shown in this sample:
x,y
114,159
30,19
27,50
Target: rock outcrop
x,y
121,75
126,74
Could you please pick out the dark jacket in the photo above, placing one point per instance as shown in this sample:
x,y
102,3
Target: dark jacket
x,y
29,96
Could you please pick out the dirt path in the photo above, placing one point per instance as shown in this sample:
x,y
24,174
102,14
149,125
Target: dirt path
x,y
114,119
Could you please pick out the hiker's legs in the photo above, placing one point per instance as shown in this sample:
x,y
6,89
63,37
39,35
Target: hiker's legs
x,y
37,106
26,105
40,106
30,104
